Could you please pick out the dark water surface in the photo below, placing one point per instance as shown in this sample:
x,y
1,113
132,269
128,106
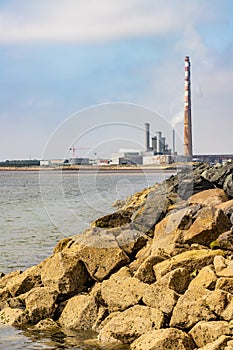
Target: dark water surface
x,y
37,209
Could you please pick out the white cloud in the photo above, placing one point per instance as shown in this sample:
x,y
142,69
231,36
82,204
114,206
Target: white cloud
x,y
92,20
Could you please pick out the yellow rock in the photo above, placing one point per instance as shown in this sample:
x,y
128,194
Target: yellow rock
x,y
212,197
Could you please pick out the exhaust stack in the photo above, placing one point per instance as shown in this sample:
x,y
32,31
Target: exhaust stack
x,y
188,147
147,136
159,141
173,141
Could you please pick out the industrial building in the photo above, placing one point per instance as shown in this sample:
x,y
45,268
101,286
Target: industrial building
x,y
52,162
126,157
213,158
79,161
156,151
60,162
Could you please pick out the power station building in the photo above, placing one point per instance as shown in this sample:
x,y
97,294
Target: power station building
x,y
156,151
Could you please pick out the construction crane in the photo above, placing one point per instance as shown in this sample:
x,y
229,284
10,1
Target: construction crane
x,y
74,149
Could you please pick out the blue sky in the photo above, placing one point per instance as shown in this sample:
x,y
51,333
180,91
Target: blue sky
x,y
59,57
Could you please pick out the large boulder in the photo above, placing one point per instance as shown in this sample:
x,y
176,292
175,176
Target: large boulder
x,y
99,251
120,292
209,224
218,300
25,281
192,308
187,226
225,283
169,339
164,293
134,201
131,324
40,303
228,185
212,197
159,296
220,344
227,314
199,304
101,262
65,273
130,240
206,278
225,241
154,209
207,332
223,267
13,317
141,257
227,207
5,279
117,219
145,272
220,263
127,209
177,280
192,260
187,183
168,233
80,313
14,303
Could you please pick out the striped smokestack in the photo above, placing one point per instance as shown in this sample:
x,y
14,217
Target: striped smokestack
x,y
188,148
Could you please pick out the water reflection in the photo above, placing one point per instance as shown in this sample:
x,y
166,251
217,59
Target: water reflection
x,y
67,339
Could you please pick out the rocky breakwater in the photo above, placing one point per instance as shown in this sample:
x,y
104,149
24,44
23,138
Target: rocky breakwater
x,y
156,274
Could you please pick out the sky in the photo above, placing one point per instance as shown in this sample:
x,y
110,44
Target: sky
x,y
90,73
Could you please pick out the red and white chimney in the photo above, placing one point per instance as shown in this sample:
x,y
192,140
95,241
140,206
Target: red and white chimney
x,y
188,147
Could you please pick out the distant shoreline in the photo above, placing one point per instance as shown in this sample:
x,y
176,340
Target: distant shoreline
x,y
103,169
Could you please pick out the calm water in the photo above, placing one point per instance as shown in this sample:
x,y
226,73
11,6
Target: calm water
x,y
40,208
